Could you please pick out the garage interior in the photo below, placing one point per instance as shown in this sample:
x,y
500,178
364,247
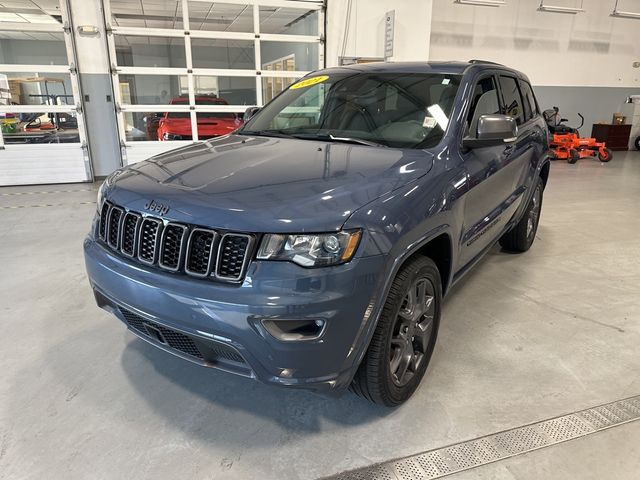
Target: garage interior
x,y
523,338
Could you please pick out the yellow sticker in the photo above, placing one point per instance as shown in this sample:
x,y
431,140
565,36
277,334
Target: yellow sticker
x,y
310,81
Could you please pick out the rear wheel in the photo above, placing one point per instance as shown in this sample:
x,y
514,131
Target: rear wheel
x,y
521,236
605,156
574,156
405,336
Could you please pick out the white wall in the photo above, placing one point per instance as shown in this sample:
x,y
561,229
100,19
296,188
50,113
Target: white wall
x,y
586,49
365,32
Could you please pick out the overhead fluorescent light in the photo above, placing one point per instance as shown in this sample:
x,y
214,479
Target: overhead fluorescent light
x,y
618,13
558,9
482,3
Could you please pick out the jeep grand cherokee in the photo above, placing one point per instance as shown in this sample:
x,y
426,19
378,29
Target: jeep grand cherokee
x,y
312,248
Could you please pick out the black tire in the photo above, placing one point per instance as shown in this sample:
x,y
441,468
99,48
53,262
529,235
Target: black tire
x,y
377,378
637,143
521,236
607,156
574,156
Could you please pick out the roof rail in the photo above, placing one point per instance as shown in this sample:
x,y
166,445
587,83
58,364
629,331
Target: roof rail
x,y
485,61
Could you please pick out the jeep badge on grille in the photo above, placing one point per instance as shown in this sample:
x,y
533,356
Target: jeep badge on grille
x,y
156,207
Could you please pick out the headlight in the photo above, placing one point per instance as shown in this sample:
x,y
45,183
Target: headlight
x,y
310,250
171,136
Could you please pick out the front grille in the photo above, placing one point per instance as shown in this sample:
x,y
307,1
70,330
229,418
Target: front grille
x,y
196,251
202,349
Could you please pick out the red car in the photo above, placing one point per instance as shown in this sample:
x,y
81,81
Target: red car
x,y
177,125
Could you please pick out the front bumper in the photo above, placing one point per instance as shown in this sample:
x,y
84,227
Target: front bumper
x,y
217,317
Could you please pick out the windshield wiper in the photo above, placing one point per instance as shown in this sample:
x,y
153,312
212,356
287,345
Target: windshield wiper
x,y
333,138
359,141
266,133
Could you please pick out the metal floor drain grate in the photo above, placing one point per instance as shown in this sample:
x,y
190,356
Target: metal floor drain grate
x,y
498,446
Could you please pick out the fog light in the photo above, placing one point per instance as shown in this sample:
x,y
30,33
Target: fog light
x,y
294,330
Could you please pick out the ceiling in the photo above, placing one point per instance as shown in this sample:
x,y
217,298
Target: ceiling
x,y
208,16
204,16
30,11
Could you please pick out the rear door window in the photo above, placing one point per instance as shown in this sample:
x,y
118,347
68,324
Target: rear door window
x,y
512,100
528,99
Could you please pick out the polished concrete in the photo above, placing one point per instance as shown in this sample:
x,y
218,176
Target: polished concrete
x,y
523,338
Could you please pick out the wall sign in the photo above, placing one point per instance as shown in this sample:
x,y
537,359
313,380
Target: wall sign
x,y
389,23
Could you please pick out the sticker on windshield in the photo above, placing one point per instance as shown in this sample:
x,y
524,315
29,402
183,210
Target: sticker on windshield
x,y
307,82
429,122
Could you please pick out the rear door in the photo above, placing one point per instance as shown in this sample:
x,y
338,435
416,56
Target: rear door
x,y
495,173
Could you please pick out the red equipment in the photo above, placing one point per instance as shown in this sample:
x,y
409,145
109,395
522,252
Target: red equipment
x,y
566,143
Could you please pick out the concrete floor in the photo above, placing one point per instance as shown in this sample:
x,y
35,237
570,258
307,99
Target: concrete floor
x,y
523,338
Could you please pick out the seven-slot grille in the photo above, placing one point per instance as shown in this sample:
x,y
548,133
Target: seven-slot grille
x,y
199,252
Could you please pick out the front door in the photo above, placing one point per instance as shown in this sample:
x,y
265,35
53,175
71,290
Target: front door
x,y
494,173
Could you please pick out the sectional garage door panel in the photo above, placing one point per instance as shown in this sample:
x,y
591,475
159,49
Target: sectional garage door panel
x,y
42,164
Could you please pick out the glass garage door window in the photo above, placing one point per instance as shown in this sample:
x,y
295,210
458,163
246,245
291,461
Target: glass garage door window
x,y
42,135
186,70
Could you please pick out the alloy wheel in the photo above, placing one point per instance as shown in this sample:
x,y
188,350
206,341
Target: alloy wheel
x,y
412,331
534,212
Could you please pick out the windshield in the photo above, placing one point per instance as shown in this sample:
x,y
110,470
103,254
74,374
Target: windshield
x,y
402,110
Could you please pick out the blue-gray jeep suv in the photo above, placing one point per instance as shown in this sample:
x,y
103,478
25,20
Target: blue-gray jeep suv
x,y
312,248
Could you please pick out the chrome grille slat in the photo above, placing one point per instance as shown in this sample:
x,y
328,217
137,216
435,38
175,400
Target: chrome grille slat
x,y
104,215
149,239
172,245
114,223
200,252
128,242
232,256
190,249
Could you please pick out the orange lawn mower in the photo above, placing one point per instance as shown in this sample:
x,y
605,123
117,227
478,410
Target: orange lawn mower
x,y
566,143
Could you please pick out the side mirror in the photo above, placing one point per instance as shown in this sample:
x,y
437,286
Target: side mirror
x,y
250,112
493,130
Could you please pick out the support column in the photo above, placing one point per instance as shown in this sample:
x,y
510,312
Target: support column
x,y
95,79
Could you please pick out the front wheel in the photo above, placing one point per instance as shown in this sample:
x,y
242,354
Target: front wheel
x,y
574,156
605,156
521,236
637,143
405,336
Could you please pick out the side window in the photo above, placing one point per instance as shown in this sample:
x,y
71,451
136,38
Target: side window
x,y
512,101
528,98
484,102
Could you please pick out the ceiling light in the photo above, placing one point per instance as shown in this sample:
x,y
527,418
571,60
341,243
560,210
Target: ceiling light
x,y
482,3
557,9
618,13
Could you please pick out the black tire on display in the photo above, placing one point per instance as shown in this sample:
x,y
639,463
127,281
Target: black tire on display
x,y
574,156
608,155
405,336
521,236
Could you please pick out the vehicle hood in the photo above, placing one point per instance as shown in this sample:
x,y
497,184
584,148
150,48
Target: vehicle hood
x,y
264,184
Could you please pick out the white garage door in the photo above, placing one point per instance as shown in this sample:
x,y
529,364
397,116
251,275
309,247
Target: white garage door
x,y
186,70
42,133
